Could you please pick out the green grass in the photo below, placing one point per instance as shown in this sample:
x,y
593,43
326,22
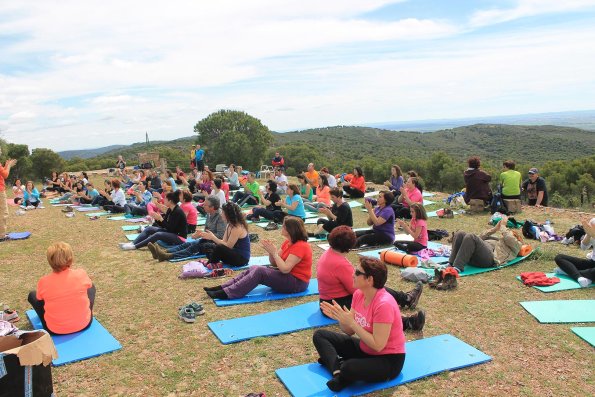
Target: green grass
x,y
137,301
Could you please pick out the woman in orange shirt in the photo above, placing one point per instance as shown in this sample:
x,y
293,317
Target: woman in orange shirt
x,y
357,187
64,298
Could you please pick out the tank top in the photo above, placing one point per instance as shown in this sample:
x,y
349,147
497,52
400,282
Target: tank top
x,y
242,246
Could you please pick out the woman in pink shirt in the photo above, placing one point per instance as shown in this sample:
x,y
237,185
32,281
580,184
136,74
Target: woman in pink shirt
x,y
409,194
189,210
377,353
417,228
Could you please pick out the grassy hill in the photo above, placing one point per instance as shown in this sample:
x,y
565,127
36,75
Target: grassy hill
x,y
496,142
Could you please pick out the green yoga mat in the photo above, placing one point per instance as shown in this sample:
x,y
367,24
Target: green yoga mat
x,y
566,283
586,333
472,270
123,218
132,237
97,213
130,228
562,311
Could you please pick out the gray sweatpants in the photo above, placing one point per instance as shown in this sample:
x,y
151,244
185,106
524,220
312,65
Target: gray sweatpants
x,y
470,249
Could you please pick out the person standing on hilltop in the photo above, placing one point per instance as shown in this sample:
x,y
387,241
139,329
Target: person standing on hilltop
x,y
511,182
477,182
199,158
536,189
4,171
120,164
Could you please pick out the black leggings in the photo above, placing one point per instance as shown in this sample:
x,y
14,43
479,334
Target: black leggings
x,y
371,238
327,224
114,209
409,246
39,307
353,192
229,256
576,267
355,365
401,211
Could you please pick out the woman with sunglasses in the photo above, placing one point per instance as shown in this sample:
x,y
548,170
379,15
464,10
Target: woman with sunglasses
x,y
372,347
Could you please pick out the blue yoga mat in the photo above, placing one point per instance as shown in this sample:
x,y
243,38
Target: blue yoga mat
x,y
92,342
278,322
263,293
424,357
19,235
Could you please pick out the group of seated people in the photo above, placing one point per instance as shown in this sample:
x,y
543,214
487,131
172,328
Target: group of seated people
x,y
371,345
477,184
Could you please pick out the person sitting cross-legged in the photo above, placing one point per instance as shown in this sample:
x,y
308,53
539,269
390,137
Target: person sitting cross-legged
x,y
372,345
172,227
142,198
291,266
335,278
270,210
64,298
250,194
382,220
214,224
339,214
323,195
417,228
356,188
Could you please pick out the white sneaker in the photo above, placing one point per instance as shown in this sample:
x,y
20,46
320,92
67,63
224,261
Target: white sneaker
x,y
128,247
69,215
584,282
30,207
571,240
560,272
564,241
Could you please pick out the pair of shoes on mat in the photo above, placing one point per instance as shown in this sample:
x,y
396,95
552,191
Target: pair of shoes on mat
x,y
67,209
445,279
271,226
414,295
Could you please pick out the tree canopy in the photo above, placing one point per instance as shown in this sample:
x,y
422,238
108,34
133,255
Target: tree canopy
x,y
231,136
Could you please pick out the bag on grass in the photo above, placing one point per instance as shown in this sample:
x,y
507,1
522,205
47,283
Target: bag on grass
x,y
194,269
415,274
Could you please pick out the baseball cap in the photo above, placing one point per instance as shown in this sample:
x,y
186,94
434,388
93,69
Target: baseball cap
x,y
533,171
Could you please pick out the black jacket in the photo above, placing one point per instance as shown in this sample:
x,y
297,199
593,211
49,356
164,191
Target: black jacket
x,y
174,221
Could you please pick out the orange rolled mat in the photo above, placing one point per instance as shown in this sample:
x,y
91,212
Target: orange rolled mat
x,y
525,250
398,258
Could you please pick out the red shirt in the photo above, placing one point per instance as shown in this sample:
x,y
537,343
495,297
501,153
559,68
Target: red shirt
x,y
335,275
3,176
359,183
66,301
384,310
303,269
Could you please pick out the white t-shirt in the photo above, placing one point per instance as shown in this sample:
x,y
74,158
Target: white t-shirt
x,y
332,182
220,196
118,197
281,179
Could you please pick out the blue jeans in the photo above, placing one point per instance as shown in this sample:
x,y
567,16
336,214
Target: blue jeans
x,y
194,248
152,234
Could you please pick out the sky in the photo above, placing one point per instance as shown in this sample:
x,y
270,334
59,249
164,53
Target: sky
x,y
86,74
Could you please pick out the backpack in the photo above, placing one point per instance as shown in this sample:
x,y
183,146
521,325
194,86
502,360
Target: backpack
x,y
530,230
438,234
497,203
194,269
577,232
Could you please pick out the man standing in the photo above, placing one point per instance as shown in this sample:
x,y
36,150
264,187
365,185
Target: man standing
x,y
4,171
536,189
199,157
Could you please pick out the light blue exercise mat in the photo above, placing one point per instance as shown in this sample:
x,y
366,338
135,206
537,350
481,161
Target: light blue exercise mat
x,y
424,357
91,342
562,311
279,322
263,293
566,283
586,333
19,235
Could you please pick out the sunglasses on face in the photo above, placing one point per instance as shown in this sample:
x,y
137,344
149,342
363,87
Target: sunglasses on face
x,y
360,273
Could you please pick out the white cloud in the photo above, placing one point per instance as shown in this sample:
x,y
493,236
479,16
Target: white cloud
x,y
527,8
98,71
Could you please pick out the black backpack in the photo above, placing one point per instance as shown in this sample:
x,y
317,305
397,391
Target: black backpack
x,y
497,203
577,232
439,234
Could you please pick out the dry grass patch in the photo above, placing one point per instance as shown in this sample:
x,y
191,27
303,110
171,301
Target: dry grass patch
x,y
137,301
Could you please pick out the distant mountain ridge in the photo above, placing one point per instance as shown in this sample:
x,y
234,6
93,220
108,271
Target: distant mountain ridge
x,y
496,142
88,153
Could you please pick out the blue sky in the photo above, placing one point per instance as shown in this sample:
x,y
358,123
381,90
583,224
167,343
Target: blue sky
x,y
87,74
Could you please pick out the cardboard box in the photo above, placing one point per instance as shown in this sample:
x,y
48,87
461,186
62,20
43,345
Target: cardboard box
x,y
27,356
